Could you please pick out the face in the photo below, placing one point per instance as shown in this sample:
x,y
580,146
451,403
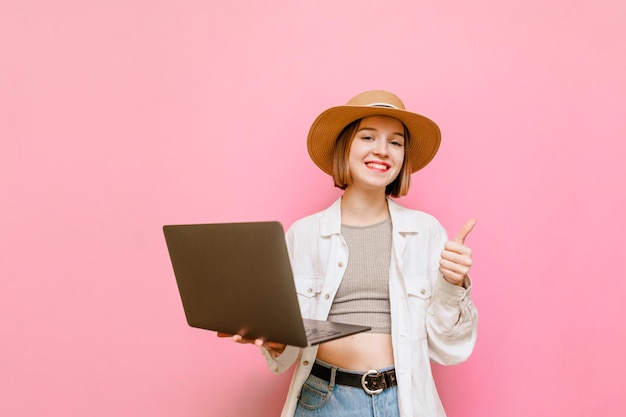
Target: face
x,y
377,152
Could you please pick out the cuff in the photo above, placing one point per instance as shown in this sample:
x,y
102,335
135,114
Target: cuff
x,y
283,361
453,294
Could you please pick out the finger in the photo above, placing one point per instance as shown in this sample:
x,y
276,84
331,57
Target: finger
x,y
452,277
456,247
461,257
465,230
454,267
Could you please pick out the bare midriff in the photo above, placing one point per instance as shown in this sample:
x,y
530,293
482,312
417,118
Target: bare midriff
x,y
360,352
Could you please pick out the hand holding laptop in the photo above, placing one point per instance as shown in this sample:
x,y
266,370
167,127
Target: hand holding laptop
x,y
275,349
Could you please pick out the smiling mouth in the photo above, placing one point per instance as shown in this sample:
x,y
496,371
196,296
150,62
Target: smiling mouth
x,y
375,165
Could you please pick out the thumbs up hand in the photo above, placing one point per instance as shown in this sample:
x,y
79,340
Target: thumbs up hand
x,y
456,258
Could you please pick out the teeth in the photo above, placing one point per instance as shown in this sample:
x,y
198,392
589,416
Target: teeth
x,y
377,166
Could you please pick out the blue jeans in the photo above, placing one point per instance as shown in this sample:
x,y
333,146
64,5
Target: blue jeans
x,y
320,398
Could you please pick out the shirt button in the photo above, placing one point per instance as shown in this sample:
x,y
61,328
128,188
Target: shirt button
x,y
309,290
423,291
340,264
305,363
327,296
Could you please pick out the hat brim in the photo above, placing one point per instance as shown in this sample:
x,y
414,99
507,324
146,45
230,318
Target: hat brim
x,y
425,136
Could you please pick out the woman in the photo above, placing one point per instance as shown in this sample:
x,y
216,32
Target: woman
x,y
367,260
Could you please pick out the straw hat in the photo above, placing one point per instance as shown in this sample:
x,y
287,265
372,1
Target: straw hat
x,y
424,133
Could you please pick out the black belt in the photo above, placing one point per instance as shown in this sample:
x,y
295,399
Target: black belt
x,y
372,382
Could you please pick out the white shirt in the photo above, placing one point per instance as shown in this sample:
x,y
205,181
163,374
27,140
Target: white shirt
x,y
431,318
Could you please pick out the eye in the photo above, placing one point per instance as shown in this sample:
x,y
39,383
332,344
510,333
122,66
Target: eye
x,y
397,143
367,137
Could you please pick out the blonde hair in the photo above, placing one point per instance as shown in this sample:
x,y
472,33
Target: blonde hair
x,y
341,168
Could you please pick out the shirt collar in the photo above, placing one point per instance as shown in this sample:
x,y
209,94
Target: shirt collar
x,y
331,219
401,223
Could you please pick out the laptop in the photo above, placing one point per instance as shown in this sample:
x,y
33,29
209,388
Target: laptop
x,y
236,278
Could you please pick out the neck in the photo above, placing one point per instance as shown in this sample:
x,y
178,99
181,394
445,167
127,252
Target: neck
x,y
363,209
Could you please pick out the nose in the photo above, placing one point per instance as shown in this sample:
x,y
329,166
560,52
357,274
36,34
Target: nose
x,y
382,148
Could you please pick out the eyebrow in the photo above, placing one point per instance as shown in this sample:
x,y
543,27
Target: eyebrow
x,y
375,130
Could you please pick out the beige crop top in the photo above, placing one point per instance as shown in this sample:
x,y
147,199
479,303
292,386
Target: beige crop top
x,y
363,295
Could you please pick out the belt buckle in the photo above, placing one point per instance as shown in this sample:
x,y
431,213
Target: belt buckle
x,y
364,382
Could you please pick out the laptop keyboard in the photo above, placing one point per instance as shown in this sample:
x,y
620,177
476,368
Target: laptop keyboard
x,y
313,332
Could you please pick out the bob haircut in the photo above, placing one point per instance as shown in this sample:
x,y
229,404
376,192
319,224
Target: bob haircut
x,y
341,168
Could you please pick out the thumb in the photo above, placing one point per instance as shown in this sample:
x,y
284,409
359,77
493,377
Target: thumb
x,y
465,230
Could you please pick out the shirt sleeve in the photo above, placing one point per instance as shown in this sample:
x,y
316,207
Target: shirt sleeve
x,y
452,322
284,360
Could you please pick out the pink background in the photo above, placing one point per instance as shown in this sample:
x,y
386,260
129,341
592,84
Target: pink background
x,y
119,116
